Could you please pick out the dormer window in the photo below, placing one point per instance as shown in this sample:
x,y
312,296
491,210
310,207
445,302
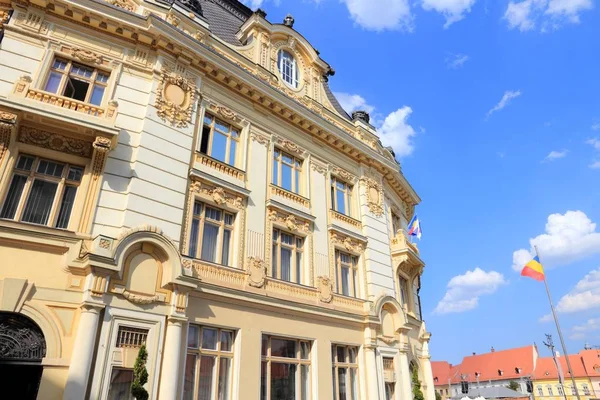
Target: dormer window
x,y
288,68
500,372
518,370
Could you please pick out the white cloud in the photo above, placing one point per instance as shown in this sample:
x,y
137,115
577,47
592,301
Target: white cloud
x,y
594,142
253,4
528,14
595,164
393,130
596,126
465,290
508,96
381,14
581,331
546,318
353,102
555,155
569,237
452,10
456,61
584,296
396,132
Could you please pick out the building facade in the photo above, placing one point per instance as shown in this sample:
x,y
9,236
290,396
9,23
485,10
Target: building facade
x,y
178,174
547,385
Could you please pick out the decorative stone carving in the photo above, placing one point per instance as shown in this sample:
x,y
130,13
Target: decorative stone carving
x,y
8,117
101,147
351,245
289,21
23,83
140,299
361,115
6,131
290,146
200,36
289,221
124,4
345,175
175,98
55,141
87,56
374,195
173,19
104,244
260,138
218,195
325,289
83,250
224,112
257,272
321,169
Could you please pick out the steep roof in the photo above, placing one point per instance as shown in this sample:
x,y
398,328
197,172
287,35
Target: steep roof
x,y
225,17
498,365
441,372
546,369
591,361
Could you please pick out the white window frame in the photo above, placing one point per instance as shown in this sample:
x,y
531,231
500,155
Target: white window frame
x,y
285,58
222,226
296,166
348,196
277,245
354,267
336,364
233,135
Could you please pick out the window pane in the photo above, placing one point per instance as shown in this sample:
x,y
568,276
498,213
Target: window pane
x,y
226,340
264,345
286,264
102,77
13,196
193,336
304,350
204,140
286,177
342,383
25,163
305,382
208,119
59,64
209,242
219,146
194,237
66,206
226,247
39,203
275,179
345,281
263,380
228,219
213,213
286,158
81,70
297,183
232,150
75,174
189,377
341,354
50,168
53,82
209,338
352,353
283,348
274,262
120,384
340,202
224,372
222,126
207,371
283,381
76,89
97,95
298,267
354,383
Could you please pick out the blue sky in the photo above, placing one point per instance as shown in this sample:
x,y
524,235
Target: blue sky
x,y
493,108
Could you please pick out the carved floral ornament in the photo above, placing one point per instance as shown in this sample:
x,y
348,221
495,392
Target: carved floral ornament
x,y
290,221
55,141
175,98
260,138
257,272
374,196
217,194
325,289
345,175
290,146
351,245
87,56
124,4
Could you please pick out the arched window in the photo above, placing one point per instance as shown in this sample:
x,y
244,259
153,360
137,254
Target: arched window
x,y
288,67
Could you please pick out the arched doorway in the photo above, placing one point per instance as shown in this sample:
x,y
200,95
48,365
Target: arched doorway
x,y
22,347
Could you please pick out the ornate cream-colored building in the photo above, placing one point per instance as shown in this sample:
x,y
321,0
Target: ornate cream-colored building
x,y
178,174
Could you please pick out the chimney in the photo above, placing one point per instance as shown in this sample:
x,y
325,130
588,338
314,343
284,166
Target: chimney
x,y
474,353
361,115
493,350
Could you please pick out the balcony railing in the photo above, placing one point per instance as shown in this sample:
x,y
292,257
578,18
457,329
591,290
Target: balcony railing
x,y
401,242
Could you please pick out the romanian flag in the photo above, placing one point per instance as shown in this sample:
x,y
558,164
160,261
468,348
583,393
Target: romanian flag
x,y
414,227
534,269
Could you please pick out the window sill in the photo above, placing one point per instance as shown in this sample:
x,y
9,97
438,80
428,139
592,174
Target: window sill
x,y
286,194
30,230
220,166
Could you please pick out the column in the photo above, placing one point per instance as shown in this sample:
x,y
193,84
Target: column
x,y
169,376
372,373
83,352
405,383
426,367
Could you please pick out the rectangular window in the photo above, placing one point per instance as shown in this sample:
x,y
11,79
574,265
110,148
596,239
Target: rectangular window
x,y
219,140
550,392
285,369
586,389
209,363
396,223
540,391
120,384
287,171
77,81
560,390
42,192
416,299
211,234
345,372
346,269
403,283
287,257
341,197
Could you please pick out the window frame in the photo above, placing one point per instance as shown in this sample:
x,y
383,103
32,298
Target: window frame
x,y
404,291
199,234
31,175
348,365
294,248
353,283
396,223
294,73
67,72
540,391
348,196
586,389
560,390
230,137
267,358
550,391
416,300
297,166
198,352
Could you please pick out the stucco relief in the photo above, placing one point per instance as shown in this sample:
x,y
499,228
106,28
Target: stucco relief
x,y
124,4
257,272
345,175
140,299
290,146
325,289
55,141
260,138
290,221
7,121
224,112
217,194
175,98
374,192
101,148
87,56
350,244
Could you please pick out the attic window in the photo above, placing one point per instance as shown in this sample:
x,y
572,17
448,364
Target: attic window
x,y
597,368
435,379
288,68
500,372
518,370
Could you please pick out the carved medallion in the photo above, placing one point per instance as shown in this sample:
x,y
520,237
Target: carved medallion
x,y
374,196
325,289
257,272
175,98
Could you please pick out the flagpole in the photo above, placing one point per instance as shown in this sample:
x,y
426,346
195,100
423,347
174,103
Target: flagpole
x,y
562,341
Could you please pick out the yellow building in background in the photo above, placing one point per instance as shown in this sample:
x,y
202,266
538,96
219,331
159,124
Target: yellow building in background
x,y
546,384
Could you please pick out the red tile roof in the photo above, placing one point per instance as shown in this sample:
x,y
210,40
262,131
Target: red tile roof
x,y
546,369
591,361
441,372
513,363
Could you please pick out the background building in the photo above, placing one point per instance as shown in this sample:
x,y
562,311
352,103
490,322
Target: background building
x,y
547,384
179,175
591,362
